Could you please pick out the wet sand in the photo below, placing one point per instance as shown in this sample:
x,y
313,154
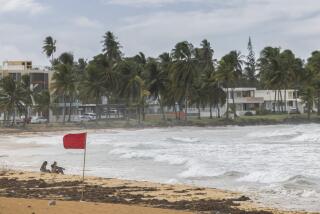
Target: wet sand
x,y
126,196
36,206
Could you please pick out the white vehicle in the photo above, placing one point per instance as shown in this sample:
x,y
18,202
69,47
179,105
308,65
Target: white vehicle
x,y
88,116
39,120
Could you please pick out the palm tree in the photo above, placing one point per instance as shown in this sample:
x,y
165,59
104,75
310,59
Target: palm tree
x,y
11,97
205,65
132,87
64,84
183,71
93,85
29,93
307,95
111,47
229,71
156,82
49,47
43,103
313,68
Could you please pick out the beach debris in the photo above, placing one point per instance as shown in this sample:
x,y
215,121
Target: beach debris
x,y
52,203
122,194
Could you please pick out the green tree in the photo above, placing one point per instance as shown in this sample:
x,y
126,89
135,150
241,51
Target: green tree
x,y
250,68
11,97
94,84
156,79
184,72
313,67
229,71
132,87
270,72
307,95
49,47
65,82
43,103
111,47
29,93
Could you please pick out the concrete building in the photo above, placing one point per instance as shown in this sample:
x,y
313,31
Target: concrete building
x,y
245,99
251,100
40,77
272,99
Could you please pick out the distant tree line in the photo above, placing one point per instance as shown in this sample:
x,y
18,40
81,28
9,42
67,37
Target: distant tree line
x,y
186,76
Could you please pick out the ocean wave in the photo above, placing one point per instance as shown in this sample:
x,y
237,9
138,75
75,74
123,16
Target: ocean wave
x,y
274,133
301,180
183,139
306,137
265,177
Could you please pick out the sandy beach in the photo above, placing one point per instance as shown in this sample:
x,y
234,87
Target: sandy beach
x,y
31,192
15,206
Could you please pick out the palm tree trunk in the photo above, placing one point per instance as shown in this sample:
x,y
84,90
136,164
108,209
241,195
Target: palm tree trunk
x,y
70,109
309,110
211,111
318,103
275,101
227,113
25,117
234,106
14,116
143,111
199,113
97,109
186,104
139,114
162,109
285,100
64,109
296,91
281,101
219,116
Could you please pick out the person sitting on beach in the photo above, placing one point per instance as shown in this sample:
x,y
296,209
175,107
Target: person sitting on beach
x,y
56,169
44,167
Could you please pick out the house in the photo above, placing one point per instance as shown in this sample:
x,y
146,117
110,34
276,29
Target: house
x,y
245,100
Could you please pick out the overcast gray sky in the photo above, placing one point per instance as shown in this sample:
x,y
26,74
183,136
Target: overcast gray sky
x,y
155,26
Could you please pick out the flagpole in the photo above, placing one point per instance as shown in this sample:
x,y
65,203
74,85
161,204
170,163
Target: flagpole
x,y
84,166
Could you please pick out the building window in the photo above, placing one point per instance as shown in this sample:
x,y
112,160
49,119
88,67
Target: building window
x,y
237,94
246,94
290,103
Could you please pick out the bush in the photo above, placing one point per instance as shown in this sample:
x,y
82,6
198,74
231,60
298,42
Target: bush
x,y
263,112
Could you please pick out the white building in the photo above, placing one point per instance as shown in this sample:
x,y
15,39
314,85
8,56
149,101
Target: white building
x,y
250,100
290,100
245,100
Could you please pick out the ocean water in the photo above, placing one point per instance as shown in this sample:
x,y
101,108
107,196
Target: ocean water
x,y
276,165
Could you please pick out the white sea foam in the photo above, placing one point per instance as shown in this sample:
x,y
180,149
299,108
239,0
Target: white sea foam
x,y
276,164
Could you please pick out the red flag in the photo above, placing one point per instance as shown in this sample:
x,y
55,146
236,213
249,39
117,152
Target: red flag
x,y
75,141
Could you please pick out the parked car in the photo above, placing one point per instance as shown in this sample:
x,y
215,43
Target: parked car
x,y
88,117
39,120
